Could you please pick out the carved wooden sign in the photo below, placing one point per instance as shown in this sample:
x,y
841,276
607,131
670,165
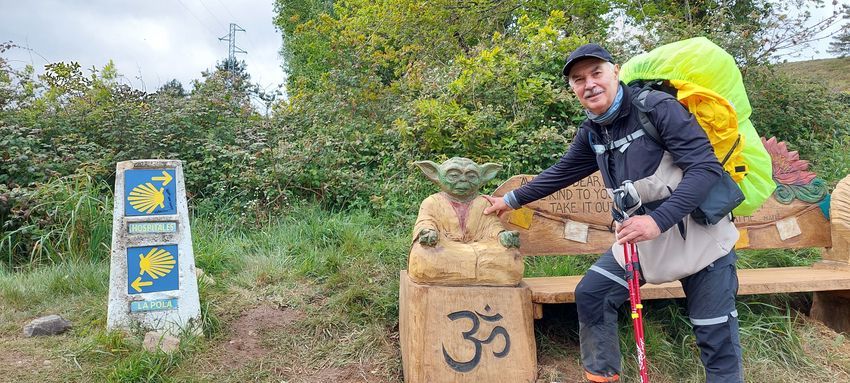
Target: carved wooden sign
x,y
587,199
577,220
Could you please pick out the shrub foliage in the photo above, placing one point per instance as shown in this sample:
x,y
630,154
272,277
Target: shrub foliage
x,y
372,86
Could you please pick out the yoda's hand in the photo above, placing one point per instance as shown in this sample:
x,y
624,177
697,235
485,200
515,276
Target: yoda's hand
x,y
509,239
428,237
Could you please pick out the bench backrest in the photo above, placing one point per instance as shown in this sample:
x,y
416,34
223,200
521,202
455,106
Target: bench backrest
x,y
577,220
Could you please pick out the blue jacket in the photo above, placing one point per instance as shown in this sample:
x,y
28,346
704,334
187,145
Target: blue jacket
x,y
681,136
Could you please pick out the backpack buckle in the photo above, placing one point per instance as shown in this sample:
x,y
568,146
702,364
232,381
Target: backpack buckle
x,y
626,201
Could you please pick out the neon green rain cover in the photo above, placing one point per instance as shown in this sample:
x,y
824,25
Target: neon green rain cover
x,y
700,61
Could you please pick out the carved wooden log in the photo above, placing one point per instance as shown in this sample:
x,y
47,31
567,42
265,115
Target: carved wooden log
x,y
466,334
485,263
839,217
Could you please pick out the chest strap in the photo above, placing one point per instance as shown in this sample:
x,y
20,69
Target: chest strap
x,y
621,144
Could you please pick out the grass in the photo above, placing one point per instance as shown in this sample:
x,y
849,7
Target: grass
x,y
832,72
72,289
755,259
65,219
331,280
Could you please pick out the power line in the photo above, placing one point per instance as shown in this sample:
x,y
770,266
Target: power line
x,y
226,10
211,13
31,51
196,17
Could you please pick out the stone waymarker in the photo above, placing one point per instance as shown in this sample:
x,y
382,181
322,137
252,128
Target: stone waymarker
x,y
152,281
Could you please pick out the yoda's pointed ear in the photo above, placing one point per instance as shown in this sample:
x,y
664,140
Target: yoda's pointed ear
x,y
430,169
488,171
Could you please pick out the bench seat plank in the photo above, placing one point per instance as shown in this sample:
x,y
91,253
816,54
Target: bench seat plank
x,y
751,281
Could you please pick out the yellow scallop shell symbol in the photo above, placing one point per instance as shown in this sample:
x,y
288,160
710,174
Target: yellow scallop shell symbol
x,y
146,198
156,263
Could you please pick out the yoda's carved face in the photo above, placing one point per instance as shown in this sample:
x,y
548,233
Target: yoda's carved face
x,y
459,177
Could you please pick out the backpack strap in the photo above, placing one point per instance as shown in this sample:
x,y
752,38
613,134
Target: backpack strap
x,y
643,115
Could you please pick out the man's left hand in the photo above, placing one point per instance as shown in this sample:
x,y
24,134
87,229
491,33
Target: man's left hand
x,y
637,229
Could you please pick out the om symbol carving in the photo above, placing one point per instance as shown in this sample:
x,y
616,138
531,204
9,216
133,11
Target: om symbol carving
x,y
476,342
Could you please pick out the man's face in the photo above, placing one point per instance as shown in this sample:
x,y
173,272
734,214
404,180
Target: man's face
x,y
594,82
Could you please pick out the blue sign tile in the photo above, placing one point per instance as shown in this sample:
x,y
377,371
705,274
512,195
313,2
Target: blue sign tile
x,y
150,192
152,268
153,305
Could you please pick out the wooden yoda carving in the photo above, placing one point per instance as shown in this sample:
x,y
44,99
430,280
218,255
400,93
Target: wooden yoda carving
x,y
454,243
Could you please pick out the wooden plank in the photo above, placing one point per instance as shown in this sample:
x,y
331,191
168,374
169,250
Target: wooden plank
x,y
588,203
751,281
538,310
546,237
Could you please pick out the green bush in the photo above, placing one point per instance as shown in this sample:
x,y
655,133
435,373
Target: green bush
x,y
374,87
505,102
799,111
804,113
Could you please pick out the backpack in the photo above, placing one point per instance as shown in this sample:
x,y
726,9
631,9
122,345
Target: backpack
x,y
706,80
725,195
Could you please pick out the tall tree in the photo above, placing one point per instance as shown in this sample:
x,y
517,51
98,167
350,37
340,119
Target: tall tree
x,y
753,31
385,39
841,43
172,88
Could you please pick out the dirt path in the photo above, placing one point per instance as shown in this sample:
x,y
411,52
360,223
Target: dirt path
x,y
29,360
248,352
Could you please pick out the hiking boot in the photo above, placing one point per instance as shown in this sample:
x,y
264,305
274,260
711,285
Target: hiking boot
x,y
601,378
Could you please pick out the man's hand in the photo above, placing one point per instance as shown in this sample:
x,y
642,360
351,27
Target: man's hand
x,y
498,206
509,239
428,237
637,229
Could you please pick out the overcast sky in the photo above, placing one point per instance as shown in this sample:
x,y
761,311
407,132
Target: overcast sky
x,y
151,42
818,49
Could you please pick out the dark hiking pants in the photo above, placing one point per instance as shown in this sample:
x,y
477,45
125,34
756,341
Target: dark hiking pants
x,y
710,296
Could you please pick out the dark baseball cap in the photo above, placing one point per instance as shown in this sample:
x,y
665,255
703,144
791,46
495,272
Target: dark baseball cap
x,y
586,51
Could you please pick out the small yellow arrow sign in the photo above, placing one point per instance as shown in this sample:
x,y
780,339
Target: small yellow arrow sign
x,y
138,284
166,178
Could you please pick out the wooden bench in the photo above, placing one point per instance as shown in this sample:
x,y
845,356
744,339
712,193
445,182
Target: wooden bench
x,y
577,220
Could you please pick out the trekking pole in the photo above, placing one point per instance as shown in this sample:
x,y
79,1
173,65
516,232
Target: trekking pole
x,y
627,202
633,276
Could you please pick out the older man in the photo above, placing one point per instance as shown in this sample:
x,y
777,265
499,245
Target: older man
x,y
673,176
